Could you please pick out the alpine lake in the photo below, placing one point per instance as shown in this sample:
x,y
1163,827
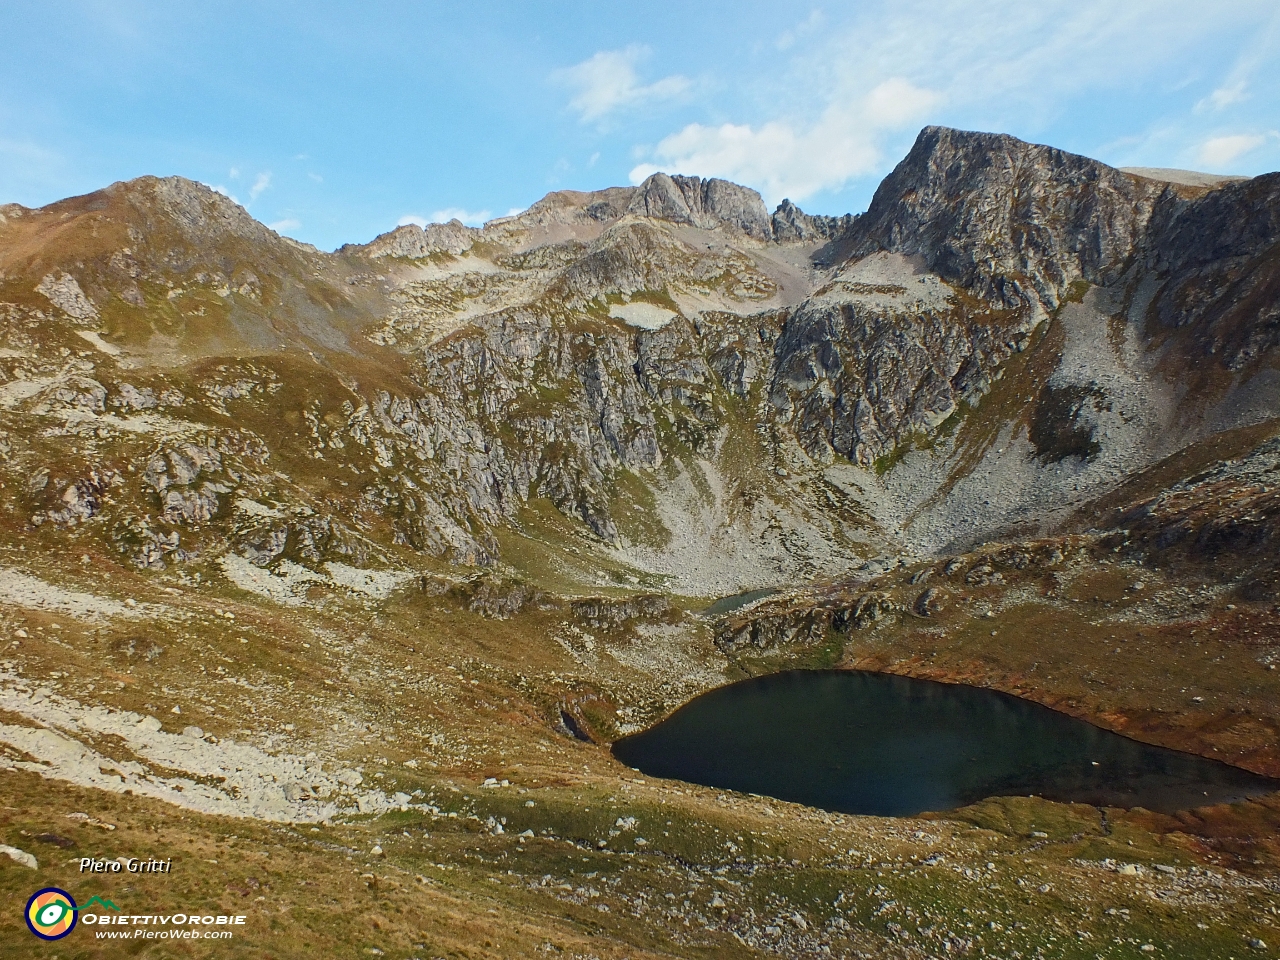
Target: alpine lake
x,y
869,743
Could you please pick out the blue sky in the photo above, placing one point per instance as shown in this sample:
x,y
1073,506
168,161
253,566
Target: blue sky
x,y
336,121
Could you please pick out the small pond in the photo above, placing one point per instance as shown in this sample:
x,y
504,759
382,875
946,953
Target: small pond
x,y
728,604
869,743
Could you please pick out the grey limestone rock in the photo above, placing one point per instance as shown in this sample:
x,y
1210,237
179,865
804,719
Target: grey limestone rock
x,y
64,292
702,203
789,223
415,242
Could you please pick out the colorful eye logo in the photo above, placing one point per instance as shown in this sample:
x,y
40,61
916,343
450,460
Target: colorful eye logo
x,y
51,913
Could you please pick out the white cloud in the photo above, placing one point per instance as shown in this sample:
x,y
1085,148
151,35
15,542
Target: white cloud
x,y
838,108
783,159
608,81
787,39
259,185
1218,152
316,177
897,102
281,226
472,218
1223,97
235,173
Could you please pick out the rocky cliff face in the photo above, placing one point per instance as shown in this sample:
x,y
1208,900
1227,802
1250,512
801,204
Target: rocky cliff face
x,y
990,342
702,203
790,223
1214,259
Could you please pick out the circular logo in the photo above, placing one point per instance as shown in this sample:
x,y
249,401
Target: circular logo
x,y
51,913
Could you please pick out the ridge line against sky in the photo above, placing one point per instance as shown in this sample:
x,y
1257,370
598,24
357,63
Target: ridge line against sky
x,y
333,122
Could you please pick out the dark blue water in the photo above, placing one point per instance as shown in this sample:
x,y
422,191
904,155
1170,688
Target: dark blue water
x,y
728,604
870,743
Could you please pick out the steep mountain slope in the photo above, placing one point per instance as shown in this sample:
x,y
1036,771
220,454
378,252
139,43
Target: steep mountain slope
x,y
1004,331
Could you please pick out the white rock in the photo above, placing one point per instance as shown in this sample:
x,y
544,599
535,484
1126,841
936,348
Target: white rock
x,y
64,293
21,856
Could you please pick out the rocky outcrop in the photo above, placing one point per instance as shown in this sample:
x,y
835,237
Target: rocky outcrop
x,y
560,214
64,292
1227,515
856,379
414,242
497,599
791,224
611,612
803,620
206,217
702,203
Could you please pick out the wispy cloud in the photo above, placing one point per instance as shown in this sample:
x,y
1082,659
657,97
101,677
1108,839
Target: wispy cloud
x,y
1219,152
608,82
858,86
787,39
259,185
472,218
1224,97
284,226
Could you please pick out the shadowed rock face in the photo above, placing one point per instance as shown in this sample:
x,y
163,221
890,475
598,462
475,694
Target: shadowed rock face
x,y
852,379
1216,260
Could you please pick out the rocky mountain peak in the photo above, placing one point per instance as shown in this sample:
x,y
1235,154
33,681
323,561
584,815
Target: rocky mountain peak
x,y
201,213
566,206
415,242
791,224
1014,221
702,203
